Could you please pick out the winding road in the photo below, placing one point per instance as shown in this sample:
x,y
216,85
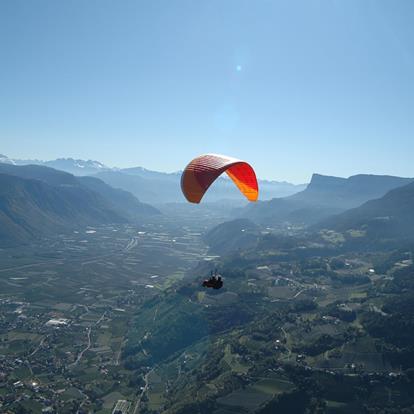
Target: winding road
x,y
83,350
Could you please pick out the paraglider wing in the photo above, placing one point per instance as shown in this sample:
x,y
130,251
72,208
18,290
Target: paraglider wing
x,y
202,171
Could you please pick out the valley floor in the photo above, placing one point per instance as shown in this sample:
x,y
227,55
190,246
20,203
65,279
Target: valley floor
x,y
113,318
66,308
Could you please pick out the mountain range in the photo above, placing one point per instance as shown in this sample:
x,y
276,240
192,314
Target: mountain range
x,y
157,187
381,223
70,165
386,219
38,201
345,193
325,196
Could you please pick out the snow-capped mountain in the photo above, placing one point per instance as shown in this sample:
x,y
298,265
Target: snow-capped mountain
x,y
77,167
155,186
70,165
6,160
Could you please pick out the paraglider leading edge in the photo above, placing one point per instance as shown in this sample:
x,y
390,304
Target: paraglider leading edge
x,y
202,171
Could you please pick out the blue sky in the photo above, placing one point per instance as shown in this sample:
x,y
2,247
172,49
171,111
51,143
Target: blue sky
x,y
293,87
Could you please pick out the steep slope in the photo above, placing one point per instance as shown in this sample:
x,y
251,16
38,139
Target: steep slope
x,y
324,197
232,235
283,210
122,200
37,201
32,209
41,173
345,193
119,200
389,217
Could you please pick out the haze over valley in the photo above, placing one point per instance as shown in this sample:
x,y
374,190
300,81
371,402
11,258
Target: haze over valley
x,y
103,309
206,207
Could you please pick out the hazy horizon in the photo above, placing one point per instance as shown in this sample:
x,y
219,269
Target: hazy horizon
x,y
179,171
291,87
192,284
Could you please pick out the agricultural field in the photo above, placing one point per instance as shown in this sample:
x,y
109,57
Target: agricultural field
x,y
66,309
117,317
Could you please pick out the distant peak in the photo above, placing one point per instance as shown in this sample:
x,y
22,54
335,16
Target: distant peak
x,y
6,160
79,163
325,179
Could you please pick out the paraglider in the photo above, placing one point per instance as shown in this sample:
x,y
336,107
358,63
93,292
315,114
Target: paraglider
x,y
214,282
202,171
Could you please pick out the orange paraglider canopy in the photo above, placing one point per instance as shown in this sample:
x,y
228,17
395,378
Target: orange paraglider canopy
x,y
202,171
